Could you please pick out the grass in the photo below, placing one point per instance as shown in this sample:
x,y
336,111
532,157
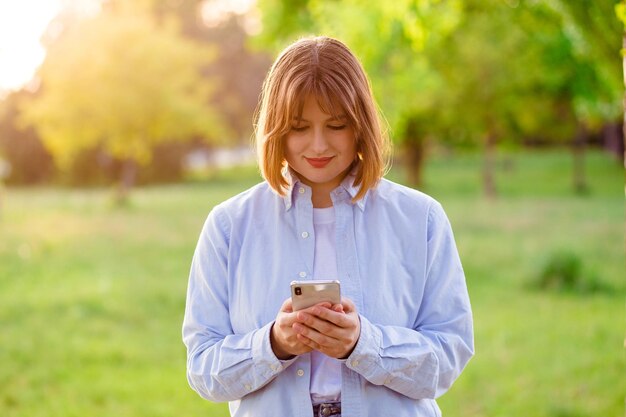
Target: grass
x,y
92,296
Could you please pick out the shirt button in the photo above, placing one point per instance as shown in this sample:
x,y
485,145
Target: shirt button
x,y
305,235
301,190
302,274
275,367
247,387
355,363
300,372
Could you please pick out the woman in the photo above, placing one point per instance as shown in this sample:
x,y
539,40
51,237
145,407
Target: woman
x,y
403,331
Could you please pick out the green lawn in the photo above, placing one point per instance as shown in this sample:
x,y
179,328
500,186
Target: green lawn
x,y
92,297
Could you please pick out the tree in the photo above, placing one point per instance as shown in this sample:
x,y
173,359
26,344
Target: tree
x,y
27,159
120,82
477,71
593,83
441,69
239,69
481,62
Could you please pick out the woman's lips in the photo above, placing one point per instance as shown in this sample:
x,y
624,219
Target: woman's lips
x,y
318,162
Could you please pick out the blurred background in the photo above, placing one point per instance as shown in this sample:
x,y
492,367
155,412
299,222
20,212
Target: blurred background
x,y
123,122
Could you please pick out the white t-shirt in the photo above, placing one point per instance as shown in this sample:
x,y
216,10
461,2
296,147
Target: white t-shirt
x,y
325,371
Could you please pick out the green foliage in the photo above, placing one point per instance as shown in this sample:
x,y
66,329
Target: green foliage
x,y
620,11
596,87
563,272
397,33
120,82
474,72
473,66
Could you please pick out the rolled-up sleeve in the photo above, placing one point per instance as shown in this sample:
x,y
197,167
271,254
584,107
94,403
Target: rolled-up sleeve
x,y
221,365
423,361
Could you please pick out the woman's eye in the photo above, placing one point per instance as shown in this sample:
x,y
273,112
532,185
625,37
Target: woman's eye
x,y
299,128
336,127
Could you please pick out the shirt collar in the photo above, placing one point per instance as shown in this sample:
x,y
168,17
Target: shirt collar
x,y
347,185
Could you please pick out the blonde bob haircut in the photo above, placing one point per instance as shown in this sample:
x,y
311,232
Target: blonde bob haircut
x,y
326,68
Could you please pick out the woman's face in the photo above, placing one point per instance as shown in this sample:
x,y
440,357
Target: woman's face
x,y
320,148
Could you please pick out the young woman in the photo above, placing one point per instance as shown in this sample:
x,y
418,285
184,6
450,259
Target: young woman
x,y
403,331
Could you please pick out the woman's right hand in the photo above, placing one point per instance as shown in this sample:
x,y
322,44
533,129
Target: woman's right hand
x,y
284,340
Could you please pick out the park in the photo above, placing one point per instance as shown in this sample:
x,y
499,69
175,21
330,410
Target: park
x,y
99,215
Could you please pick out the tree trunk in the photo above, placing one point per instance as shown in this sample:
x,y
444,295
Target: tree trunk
x,y
578,151
5,170
127,181
414,158
489,164
413,155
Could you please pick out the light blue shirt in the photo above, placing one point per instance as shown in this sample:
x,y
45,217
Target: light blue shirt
x,y
396,260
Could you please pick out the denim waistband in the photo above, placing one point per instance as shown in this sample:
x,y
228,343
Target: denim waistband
x,y
327,409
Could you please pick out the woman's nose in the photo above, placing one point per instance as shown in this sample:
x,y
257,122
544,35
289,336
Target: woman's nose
x,y
319,144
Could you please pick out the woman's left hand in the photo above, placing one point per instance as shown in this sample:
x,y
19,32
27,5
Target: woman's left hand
x,y
333,331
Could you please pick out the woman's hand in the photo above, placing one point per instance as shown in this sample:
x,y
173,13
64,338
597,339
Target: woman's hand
x,y
333,331
283,338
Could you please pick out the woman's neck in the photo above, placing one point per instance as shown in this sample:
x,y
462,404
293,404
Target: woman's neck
x,y
321,199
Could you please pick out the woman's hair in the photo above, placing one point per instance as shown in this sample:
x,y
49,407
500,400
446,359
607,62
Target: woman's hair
x,y
327,69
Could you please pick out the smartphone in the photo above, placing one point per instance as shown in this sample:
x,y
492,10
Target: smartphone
x,y
305,294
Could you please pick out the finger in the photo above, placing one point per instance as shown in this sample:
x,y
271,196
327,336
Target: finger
x,y
314,335
300,347
287,306
322,326
309,310
338,308
324,304
285,320
308,342
338,319
348,305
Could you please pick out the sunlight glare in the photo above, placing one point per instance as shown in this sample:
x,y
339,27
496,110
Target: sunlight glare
x,y
21,25
216,12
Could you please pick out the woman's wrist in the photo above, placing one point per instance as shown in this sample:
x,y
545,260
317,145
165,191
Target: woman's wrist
x,y
278,351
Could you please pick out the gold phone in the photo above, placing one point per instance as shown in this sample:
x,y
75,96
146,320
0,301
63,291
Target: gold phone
x,y
305,294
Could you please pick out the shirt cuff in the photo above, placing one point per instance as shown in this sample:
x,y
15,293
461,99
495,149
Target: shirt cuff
x,y
365,358
263,356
